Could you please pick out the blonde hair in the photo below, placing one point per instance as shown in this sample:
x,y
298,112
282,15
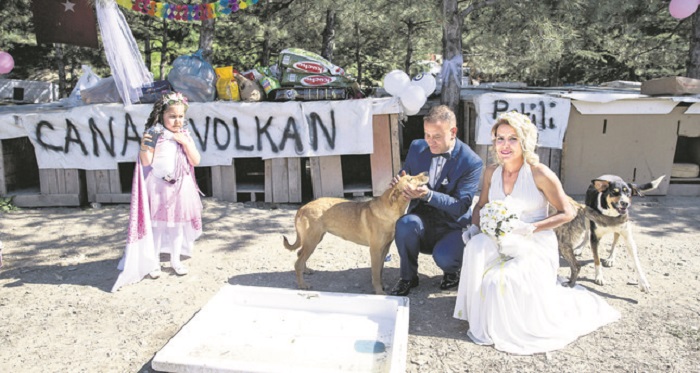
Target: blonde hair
x,y
526,131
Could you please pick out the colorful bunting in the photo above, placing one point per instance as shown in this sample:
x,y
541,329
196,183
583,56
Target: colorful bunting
x,y
65,21
186,13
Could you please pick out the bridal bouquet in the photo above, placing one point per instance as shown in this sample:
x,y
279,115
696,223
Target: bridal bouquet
x,y
499,219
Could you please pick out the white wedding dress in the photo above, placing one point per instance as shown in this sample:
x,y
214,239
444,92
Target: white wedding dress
x,y
517,305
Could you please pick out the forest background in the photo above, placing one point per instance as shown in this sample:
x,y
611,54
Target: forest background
x,y
539,42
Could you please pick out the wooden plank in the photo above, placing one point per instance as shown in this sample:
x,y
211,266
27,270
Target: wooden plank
x,y
381,158
315,171
544,155
270,165
46,200
483,152
72,180
3,185
294,172
279,176
115,184
396,143
466,123
216,185
555,162
102,181
48,182
90,183
113,198
229,183
60,181
327,176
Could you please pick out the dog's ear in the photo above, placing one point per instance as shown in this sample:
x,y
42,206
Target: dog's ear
x,y
395,194
600,185
424,177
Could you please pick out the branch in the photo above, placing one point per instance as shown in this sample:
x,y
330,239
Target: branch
x,y
476,6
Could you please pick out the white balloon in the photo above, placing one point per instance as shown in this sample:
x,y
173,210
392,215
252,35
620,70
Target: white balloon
x,y
413,98
396,82
411,112
426,81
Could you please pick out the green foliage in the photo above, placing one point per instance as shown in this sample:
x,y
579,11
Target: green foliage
x,y
6,205
541,42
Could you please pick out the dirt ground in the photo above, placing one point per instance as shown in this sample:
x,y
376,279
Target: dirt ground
x,y
57,313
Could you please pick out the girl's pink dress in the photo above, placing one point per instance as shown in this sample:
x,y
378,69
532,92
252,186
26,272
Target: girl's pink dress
x,y
165,215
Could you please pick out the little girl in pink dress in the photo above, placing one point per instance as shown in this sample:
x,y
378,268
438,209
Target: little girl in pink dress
x,y
166,209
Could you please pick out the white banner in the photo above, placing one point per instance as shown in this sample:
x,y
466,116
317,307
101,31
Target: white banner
x,y
549,114
97,137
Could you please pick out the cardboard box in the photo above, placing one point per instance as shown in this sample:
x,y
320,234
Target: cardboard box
x,y
675,85
260,329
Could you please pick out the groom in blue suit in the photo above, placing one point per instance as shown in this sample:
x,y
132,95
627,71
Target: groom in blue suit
x,y
440,210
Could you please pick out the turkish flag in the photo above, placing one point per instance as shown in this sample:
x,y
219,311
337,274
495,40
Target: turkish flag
x,y
65,21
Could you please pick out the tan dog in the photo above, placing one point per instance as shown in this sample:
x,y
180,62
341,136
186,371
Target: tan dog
x,y
369,223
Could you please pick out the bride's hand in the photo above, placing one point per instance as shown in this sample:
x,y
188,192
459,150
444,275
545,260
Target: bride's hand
x,y
524,229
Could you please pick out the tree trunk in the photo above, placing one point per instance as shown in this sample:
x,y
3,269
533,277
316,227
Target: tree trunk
x,y
452,55
147,51
61,71
693,68
164,50
206,37
328,34
409,46
358,53
266,50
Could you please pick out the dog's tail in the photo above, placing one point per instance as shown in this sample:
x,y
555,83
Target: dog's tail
x,y
294,246
641,189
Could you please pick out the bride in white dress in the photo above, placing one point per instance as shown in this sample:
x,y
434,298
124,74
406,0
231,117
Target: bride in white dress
x,y
517,305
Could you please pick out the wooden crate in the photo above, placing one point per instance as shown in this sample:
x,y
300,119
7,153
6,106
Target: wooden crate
x,y
385,162
58,187
282,182
105,186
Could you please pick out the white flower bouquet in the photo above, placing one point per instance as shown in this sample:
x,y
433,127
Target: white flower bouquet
x,y
499,220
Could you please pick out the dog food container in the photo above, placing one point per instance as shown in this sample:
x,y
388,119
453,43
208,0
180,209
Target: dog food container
x,y
259,329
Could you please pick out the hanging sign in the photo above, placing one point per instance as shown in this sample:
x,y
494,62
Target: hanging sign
x,y
550,115
184,12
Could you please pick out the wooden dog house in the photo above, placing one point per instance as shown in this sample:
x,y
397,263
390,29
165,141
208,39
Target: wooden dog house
x,y
634,136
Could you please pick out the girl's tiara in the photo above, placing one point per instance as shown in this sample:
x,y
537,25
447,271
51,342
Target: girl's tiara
x,y
174,98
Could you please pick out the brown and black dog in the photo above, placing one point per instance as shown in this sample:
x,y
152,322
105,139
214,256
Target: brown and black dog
x,y
608,199
369,223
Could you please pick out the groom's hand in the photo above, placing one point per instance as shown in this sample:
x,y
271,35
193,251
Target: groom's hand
x,y
396,178
413,192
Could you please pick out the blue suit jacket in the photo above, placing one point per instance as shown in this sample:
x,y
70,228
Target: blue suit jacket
x,y
455,187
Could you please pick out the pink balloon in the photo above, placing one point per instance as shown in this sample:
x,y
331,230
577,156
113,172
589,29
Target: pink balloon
x,y
6,63
682,8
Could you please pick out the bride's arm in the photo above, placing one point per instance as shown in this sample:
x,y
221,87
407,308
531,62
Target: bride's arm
x,y
549,184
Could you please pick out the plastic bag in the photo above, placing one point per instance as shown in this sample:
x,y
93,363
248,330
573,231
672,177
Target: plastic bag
x,y
250,89
226,85
87,79
105,91
193,77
